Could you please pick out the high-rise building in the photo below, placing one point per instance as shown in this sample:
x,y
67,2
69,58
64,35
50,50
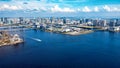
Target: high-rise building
x,y
64,20
96,22
112,23
20,19
118,22
4,20
53,20
103,23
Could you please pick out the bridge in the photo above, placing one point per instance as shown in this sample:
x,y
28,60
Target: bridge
x,y
12,27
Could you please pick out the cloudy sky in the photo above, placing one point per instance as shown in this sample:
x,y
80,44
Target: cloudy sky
x,y
60,8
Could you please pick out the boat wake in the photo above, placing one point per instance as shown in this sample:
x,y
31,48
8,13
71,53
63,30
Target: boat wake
x,y
36,39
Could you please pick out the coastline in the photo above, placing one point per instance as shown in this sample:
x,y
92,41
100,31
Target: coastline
x,y
78,33
11,43
73,33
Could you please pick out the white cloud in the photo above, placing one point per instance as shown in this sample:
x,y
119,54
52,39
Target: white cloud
x,y
5,6
78,9
86,9
15,7
56,8
68,10
116,9
42,6
96,9
107,8
111,9
10,7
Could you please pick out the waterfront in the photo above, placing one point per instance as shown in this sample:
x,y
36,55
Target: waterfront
x,y
99,49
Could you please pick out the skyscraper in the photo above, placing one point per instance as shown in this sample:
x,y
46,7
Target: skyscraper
x,y
112,23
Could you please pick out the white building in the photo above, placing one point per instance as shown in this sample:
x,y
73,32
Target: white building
x,y
66,30
114,28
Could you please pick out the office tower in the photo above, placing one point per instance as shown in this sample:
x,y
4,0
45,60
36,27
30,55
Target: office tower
x,y
96,22
20,19
103,23
112,23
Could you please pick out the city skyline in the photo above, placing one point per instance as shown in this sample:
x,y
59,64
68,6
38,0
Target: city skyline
x,y
59,33
92,8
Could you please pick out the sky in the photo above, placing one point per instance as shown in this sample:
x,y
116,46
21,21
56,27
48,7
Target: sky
x,y
108,8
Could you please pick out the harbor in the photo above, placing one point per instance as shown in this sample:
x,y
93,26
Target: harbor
x,y
59,33
52,48
68,26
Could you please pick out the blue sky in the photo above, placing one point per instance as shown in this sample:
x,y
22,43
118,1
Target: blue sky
x,y
53,7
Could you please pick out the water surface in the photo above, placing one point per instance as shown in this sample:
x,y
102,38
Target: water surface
x,y
94,50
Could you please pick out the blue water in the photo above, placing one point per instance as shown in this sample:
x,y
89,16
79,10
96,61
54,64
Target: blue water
x,y
100,49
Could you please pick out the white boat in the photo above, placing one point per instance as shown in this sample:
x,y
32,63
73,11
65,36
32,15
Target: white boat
x,y
37,39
